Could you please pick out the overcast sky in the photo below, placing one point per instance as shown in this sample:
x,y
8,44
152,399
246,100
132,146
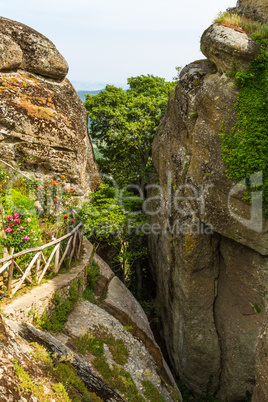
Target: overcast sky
x,y
107,41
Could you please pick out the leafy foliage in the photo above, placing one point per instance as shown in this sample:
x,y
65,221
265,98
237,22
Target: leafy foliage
x,y
20,223
123,124
57,320
244,149
93,274
110,218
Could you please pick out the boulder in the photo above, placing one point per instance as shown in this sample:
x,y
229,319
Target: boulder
x,y
228,48
11,54
87,317
43,122
120,303
37,53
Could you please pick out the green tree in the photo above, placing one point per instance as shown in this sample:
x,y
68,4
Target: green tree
x,y
110,219
123,124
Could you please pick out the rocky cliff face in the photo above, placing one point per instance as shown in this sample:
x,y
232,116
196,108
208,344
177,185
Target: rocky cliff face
x,y
43,123
210,261
256,9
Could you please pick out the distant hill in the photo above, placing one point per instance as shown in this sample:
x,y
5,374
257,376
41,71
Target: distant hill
x,y
83,93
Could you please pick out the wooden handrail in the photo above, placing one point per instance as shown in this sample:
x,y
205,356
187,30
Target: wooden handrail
x,y
41,248
9,262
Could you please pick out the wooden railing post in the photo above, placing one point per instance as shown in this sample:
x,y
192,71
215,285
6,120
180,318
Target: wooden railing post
x,y
80,237
10,276
37,268
73,248
57,258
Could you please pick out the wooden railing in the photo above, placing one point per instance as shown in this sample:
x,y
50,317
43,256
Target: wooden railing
x,y
72,248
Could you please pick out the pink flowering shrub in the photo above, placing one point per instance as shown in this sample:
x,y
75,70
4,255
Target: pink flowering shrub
x,y
20,233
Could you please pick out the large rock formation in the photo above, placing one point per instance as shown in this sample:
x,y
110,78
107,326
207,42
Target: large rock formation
x,y
43,123
261,390
210,261
256,9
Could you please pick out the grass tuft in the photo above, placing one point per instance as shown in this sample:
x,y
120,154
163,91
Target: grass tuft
x,y
251,27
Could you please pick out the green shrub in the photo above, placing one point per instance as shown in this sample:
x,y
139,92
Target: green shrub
x,y
244,148
21,222
57,320
92,278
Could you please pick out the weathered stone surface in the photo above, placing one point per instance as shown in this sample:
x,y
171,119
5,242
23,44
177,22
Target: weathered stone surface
x,y
43,122
14,349
44,125
186,278
86,316
84,370
239,313
209,266
105,276
256,9
121,299
10,53
120,303
227,47
40,55
261,390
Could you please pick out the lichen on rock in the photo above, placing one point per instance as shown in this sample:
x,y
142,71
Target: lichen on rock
x,y
228,48
43,123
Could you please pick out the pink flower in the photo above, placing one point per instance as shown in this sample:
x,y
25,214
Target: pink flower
x,y
9,218
21,227
26,238
72,220
28,219
18,229
17,221
9,230
15,216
